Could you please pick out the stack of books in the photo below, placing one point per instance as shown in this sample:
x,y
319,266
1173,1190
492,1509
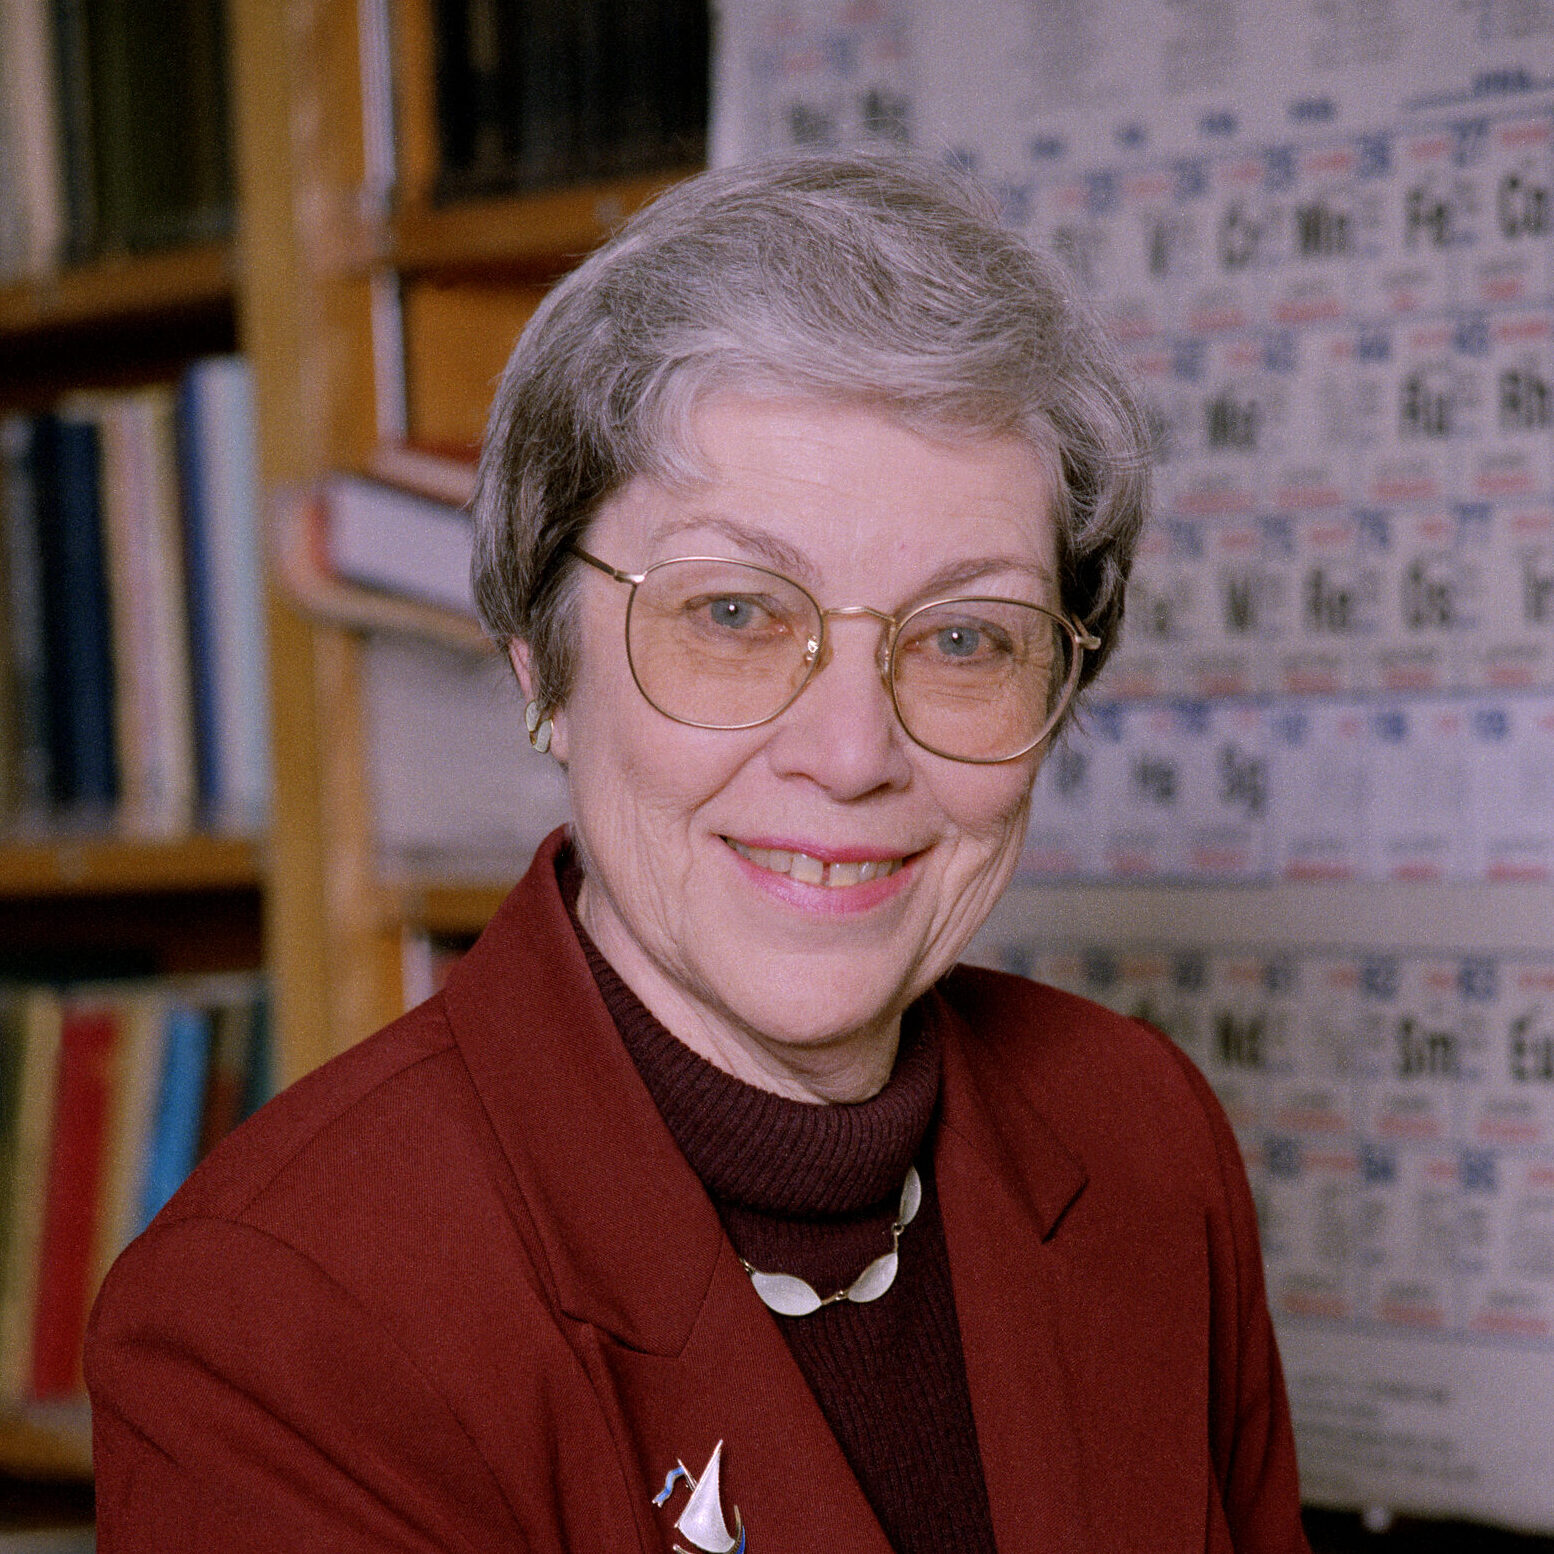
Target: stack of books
x,y
536,92
113,130
109,1095
132,658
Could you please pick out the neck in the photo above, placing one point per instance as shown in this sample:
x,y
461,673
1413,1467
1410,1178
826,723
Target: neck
x,y
839,1067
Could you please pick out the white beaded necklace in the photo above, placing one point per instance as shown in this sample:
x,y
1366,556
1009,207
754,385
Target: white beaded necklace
x,y
790,1296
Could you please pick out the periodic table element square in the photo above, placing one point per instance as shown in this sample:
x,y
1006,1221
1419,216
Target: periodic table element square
x,y
1249,614
1167,987
1509,163
1310,455
1221,755
1074,219
1431,599
1421,785
1152,237
1138,767
1409,387
1407,1211
1514,1106
1506,378
1316,224
1308,1191
1250,1032
1168,602
1316,1099
1318,769
1413,212
1236,246
1511,751
1513,647
1152,367
1424,1045
1239,389
1509,1291
1062,839
1337,588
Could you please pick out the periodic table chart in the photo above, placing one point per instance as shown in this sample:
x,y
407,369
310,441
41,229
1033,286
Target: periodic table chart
x,y
1306,824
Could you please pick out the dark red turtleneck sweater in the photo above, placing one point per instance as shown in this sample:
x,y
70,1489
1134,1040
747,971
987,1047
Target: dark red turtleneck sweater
x,y
813,1190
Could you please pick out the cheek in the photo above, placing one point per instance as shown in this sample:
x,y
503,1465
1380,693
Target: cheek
x,y
989,803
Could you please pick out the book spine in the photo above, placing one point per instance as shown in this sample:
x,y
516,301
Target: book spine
x,y
175,1136
88,1034
32,117
234,585
24,1208
72,78
78,664
198,595
25,639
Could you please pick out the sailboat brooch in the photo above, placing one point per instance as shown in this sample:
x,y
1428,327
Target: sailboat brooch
x,y
702,1519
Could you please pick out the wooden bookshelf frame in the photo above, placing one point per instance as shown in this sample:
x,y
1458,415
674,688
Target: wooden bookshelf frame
x,y
117,291
93,865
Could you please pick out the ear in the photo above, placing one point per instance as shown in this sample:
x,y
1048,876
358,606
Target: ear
x,y
521,658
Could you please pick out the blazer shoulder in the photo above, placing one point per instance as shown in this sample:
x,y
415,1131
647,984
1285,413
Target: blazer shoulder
x,y
1095,1073
415,1053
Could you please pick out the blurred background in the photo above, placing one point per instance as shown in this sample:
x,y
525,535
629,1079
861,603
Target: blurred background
x,y
260,264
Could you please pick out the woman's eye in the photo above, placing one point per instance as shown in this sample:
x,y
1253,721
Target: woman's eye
x,y
958,641
733,612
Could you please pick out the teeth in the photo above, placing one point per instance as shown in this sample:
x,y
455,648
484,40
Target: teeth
x,y
813,871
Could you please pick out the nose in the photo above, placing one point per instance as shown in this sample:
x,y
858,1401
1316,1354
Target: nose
x,y
842,732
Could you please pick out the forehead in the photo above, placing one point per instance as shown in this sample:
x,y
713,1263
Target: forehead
x,y
841,494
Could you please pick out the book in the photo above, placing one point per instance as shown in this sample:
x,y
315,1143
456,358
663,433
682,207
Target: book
x,y
154,722
78,663
89,1034
133,1100
71,80
23,647
22,1212
172,1147
385,537
159,141
224,580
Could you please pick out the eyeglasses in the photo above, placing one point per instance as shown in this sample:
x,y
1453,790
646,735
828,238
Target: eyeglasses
x,y
728,645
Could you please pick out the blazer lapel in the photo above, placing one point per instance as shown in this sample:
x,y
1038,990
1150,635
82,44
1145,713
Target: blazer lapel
x,y
1005,1181
681,1352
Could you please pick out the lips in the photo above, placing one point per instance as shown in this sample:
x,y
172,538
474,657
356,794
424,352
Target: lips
x,y
806,869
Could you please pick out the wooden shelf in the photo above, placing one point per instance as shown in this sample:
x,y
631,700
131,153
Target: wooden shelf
x,y
118,290
105,866
528,233
449,907
52,1443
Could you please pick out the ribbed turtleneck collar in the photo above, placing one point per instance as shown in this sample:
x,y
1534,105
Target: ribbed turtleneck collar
x,y
765,1151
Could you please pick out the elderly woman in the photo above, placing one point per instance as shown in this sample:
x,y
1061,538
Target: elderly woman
x,y
710,1206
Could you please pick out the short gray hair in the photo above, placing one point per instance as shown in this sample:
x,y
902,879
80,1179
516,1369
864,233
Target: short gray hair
x,y
871,278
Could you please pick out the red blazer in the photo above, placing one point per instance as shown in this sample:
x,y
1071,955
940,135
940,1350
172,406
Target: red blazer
x,y
458,1290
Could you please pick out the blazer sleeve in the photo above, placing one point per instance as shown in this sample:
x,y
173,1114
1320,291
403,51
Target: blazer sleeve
x,y
1253,1441
223,1422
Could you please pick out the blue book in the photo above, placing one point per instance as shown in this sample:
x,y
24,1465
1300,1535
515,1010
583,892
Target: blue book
x,y
192,491
224,575
175,1129
77,629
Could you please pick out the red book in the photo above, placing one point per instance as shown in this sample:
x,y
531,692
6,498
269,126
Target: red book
x,y
77,1155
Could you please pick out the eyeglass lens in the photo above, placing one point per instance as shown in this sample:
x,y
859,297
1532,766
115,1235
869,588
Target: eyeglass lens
x,y
727,645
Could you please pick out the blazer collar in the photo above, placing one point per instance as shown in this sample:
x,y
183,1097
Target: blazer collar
x,y
623,1226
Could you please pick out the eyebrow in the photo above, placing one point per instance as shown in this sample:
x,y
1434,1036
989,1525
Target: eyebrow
x,y
783,557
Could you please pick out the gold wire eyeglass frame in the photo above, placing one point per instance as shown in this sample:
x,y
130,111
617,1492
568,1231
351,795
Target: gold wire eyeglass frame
x,y
1081,640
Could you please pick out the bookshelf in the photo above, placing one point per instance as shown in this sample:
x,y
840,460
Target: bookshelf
x,y
373,312
117,291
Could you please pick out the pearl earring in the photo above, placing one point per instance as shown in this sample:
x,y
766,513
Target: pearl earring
x,y
539,726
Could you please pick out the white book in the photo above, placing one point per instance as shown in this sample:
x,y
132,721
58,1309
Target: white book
x,y
385,537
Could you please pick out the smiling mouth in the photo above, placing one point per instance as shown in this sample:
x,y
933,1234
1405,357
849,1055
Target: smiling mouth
x,y
816,871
